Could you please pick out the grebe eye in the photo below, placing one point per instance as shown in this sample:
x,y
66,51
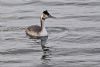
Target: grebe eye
x,y
43,18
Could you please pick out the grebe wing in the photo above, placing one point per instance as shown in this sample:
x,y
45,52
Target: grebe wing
x,y
34,28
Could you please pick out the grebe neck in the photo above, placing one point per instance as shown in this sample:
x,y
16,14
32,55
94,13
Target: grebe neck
x,y
42,23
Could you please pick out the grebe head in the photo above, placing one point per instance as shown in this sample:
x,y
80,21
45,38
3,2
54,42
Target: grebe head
x,y
46,15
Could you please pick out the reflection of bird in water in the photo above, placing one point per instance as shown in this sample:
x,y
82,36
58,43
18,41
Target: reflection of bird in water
x,y
46,56
45,59
46,51
39,32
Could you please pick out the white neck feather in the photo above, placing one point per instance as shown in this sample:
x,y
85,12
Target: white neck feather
x,y
43,31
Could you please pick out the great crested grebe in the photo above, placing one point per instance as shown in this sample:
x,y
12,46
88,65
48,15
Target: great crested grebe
x,y
36,31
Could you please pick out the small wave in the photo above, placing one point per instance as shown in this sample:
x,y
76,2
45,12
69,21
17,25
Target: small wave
x,y
11,28
16,4
23,11
50,3
89,4
82,39
14,61
19,51
14,12
56,29
85,29
76,51
71,3
83,17
17,17
77,61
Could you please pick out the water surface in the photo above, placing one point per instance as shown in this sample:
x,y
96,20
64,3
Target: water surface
x,y
74,38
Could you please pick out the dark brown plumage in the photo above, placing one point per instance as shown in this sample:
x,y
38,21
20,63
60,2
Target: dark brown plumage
x,y
34,28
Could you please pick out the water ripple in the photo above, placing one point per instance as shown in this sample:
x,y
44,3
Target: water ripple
x,y
19,51
72,3
85,29
16,4
56,29
11,28
77,51
17,17
82,39
74,46
51,3
13,61
83,17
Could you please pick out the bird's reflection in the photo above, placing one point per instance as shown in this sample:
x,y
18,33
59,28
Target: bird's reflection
x,y
46,50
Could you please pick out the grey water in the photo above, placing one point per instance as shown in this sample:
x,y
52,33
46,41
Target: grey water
x,y
73,41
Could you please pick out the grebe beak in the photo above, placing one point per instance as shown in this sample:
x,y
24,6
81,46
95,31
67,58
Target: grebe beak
x,y
50,16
